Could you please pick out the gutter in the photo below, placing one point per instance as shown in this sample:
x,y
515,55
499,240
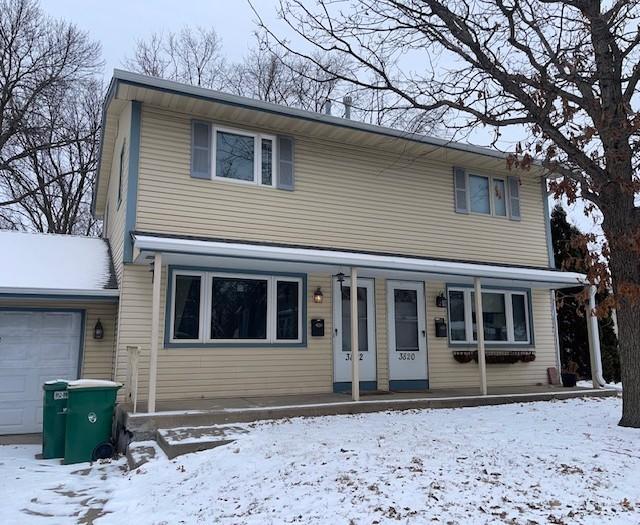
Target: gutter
x,y
59,292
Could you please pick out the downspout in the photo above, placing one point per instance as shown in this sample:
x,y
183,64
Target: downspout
x,y
594,341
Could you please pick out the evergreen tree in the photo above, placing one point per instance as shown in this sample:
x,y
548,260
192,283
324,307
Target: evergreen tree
x,y
570,254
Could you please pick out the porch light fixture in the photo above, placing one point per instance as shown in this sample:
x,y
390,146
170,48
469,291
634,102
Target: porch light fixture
x,y
340,278
317,296
98,331
441,300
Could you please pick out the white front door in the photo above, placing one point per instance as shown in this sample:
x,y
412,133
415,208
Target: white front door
x,y
342,335
407,336
35,346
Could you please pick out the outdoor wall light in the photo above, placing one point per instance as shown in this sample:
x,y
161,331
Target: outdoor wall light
x,y
441,300
317,296
340,278
98,331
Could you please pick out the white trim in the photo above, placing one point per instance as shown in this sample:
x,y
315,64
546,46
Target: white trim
x,y
492,205
508,305
206,300
552,278
396,367
100,292
257,155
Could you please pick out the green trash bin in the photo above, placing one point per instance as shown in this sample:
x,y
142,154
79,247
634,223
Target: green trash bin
x,y
54,418
90,410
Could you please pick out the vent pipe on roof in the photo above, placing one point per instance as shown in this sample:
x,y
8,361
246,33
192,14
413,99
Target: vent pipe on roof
x,y
327,107
347,106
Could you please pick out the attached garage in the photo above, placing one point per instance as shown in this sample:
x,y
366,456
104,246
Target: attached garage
x,y
35,346
48,322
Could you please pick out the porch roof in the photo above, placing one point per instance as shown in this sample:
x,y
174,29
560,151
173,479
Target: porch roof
x,y
220,253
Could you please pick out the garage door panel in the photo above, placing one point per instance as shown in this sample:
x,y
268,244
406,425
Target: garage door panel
x,y
35,347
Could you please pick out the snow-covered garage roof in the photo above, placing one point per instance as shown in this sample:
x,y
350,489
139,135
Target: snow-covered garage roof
x,y
36,263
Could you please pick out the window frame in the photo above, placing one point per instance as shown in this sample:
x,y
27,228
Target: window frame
x,y
206,298
492,206
257,155
508,294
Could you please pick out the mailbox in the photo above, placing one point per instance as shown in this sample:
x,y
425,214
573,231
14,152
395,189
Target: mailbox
x,y
441,327
317,327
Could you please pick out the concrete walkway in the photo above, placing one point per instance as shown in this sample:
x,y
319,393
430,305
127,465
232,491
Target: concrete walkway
x,y
220,411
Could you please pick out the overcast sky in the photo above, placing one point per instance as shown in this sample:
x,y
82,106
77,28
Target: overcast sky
x,y
118,24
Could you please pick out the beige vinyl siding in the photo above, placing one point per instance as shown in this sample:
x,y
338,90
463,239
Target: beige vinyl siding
x,y
187,373
345,197
97,355
117,213
446,372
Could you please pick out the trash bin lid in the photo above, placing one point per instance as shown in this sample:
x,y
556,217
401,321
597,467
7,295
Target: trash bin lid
x,y
92,383
55,384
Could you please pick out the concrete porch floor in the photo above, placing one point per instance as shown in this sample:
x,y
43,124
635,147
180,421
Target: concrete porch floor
x,y
213,411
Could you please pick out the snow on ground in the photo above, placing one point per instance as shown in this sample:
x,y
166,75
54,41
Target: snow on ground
x,y
560,462
589,384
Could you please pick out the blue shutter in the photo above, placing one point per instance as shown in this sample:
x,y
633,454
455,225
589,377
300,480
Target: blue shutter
x,y
285,163
514,199
460,190
200,150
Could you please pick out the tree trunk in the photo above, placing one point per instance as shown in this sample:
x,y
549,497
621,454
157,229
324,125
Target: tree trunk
x,y
619,224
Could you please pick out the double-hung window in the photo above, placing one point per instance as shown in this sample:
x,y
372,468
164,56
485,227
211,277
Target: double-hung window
x,y
506,317
487,195
244,157
212,307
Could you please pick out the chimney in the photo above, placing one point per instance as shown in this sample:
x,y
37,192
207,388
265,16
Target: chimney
x,y
347,106
327,107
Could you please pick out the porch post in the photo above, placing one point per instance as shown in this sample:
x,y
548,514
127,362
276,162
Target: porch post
x,y
480,331
355,354
593,333
155,327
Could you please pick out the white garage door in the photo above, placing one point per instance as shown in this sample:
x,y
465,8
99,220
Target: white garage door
x,y
34,347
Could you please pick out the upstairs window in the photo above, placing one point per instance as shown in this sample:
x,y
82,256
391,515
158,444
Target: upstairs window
x,y
506,317
486,194
241,156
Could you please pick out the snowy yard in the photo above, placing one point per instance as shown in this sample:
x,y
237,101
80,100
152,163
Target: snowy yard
x,y
560,462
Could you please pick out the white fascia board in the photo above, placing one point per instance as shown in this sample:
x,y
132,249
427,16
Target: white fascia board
x,y
58,291
360,260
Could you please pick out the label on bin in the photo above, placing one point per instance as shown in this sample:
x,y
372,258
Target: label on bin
x,y
92,417
61,394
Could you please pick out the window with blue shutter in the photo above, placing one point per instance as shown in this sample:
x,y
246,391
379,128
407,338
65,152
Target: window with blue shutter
x,y
514,199
460,190
200,150
285,163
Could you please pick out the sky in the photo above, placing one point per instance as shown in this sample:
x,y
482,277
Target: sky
x,y
118,24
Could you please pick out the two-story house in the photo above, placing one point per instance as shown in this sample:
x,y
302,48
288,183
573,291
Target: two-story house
x,y
239,228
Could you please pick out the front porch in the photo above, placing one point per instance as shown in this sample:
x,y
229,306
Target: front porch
x,y
221,411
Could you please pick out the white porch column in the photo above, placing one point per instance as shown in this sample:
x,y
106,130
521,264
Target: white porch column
x,y
355,354
155,331
593,332
482,364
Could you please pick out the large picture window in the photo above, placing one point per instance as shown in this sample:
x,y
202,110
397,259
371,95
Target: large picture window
x,y
211,307
244,157
505,317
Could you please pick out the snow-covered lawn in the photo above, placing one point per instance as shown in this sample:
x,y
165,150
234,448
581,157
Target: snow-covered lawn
x,y
554,462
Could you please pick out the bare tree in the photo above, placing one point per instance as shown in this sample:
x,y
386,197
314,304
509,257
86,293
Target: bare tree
x,y
50,190
191,55
41,60
567,71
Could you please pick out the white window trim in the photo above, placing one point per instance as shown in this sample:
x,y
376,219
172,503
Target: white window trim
x,y
257,156
173,306
468,318
492,206
205,308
